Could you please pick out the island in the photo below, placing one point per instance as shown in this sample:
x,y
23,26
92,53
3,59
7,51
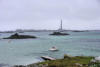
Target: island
x,y
17,36
78,31
59,33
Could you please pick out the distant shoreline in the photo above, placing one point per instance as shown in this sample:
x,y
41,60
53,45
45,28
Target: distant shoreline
x,y
22,31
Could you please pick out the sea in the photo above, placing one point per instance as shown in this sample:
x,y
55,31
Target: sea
x,y
28,51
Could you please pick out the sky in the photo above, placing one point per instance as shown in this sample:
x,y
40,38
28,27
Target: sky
x,y
46,14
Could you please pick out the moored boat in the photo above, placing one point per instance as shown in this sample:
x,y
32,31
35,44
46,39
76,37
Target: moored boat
x,y
53,49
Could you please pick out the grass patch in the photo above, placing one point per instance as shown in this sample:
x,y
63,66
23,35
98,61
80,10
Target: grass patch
x,y
69,61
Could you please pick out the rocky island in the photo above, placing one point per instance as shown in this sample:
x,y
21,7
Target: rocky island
x,y
17,36
59,33
77,31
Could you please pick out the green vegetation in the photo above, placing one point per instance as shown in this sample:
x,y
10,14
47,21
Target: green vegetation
x,y
67,61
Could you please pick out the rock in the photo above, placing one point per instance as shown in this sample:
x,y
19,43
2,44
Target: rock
x,y
78,64
17,36
47,58
78,31
19,66
59,33
96,59
66,56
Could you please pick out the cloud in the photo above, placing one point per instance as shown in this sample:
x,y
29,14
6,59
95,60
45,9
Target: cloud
x,y
46,14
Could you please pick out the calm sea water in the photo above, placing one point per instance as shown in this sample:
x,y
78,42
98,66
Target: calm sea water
x,y
26,51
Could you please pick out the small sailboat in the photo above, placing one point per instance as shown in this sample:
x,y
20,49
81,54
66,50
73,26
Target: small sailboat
x,y
53,49
60,31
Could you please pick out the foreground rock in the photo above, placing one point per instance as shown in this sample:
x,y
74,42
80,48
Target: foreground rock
x,y
17,36
59,33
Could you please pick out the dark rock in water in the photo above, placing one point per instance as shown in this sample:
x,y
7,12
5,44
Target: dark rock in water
x,y
19,66
59,33
17,36
21,32
78,31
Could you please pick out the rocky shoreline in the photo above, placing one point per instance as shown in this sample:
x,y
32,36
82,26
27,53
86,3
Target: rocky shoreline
x,y
67,61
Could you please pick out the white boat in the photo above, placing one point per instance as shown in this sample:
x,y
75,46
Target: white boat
x,y
53,49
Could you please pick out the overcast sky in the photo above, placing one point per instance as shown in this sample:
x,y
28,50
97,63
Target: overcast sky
x,y
46,14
